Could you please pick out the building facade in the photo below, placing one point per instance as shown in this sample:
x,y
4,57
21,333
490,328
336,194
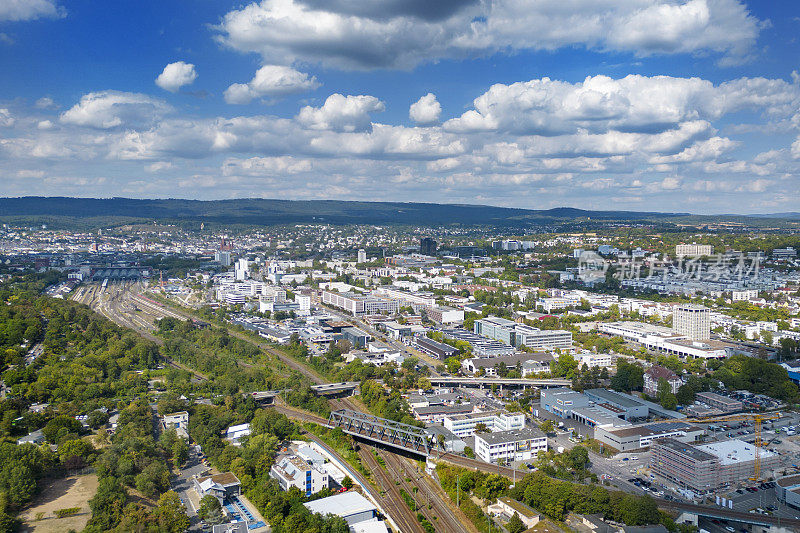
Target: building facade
x,y
514,445
692,321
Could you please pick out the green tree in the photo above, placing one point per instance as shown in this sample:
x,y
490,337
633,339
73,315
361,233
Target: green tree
x,y
171,513
107,504
516,525
210,509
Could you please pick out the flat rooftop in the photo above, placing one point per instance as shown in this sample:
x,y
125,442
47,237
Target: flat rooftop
x,y
718,398
512,435
643,328
344,504
693,452
614,397
734,451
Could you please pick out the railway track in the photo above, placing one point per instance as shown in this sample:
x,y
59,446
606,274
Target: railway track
x,y
392,500
439,514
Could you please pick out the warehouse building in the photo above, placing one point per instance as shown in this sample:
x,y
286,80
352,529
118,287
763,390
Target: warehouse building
x,y
437,349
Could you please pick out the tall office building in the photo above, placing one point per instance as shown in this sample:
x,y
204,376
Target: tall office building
x,y
427,246
691,320
362,256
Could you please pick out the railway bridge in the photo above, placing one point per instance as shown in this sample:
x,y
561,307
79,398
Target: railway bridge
x,y
382,431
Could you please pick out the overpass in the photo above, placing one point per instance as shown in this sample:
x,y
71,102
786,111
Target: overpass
x,y
500,382
382,431
345,388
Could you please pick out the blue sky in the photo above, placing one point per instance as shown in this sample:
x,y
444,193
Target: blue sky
x,y
669,105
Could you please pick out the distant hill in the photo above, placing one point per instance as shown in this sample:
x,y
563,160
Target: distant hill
x,y
266,211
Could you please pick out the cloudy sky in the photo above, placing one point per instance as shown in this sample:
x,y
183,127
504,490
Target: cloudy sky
x,y
667,105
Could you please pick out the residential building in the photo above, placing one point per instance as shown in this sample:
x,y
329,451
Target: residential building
x,y
293,471
463,425
692,321
223,486
507,507
179,422
362,256
235,434
596,360
512,445
654,375
528,363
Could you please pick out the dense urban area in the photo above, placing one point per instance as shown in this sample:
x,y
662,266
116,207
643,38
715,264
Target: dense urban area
x,y
323,378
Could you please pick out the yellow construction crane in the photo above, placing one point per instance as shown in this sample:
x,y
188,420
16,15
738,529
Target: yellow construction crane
x,y
757,419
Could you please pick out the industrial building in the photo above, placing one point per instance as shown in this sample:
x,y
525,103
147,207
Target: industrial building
x,y
351,506
437,349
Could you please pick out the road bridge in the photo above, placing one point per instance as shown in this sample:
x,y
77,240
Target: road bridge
x,y
345,388
382,431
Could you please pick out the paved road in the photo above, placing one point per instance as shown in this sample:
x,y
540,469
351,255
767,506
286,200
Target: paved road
x,y
183,483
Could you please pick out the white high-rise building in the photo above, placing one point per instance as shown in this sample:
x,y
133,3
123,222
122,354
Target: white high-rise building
x,y
242,269
692,320
693,250
223,258
362,256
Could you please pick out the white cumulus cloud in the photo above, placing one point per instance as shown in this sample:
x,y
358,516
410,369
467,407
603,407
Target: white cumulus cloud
x,y
426,110
634,103
111,109
176,75
271,81
6,120
392,34
341,113
19,10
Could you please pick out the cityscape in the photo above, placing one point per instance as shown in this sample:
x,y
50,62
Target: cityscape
x,y
471,266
